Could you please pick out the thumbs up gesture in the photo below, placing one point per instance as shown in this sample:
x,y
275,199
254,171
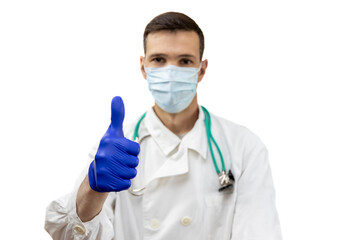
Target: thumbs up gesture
x,y
116,157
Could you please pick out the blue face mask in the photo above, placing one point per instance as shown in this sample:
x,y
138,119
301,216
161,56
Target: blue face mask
x,y
172,87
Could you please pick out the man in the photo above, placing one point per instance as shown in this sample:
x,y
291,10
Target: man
x,y
176,177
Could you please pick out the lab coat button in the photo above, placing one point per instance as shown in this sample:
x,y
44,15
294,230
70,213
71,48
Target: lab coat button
x,y
185,221
155,224
79,229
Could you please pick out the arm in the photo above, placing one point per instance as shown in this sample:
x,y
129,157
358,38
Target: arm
x,y
62,220
84,213
89,202
255,216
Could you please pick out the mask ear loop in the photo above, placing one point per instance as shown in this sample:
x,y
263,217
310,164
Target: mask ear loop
x,y
199,68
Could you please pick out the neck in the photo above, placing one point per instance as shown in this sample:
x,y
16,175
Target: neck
x,y
182,122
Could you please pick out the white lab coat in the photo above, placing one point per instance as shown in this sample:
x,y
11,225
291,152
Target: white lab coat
x,y
181,200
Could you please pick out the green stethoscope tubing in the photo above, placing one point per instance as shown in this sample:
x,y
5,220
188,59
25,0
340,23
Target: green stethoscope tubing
x,y
136,131
207,121
210,138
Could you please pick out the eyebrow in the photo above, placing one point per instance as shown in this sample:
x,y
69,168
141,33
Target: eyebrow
x,y
157,55
187,56
165,55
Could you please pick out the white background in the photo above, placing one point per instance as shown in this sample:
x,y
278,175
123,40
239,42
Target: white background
x,y
288,70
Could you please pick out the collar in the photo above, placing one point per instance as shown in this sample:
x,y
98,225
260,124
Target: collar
x,y
195,139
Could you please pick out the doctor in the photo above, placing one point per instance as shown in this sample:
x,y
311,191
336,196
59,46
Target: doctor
x,y
165,185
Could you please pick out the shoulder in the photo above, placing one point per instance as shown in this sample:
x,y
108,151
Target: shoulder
x,y
235,133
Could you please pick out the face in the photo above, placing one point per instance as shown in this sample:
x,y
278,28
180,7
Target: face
x,y
180,48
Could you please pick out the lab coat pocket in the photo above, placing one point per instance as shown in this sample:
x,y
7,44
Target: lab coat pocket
x,y
218,216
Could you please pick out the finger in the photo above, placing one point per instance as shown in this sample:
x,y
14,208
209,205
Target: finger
x,y
117,116
131,161
124,172
131,147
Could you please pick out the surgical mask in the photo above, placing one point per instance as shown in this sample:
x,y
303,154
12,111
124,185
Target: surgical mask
x,y
172,87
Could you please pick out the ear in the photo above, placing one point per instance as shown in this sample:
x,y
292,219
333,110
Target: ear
x,y
142,66
202,71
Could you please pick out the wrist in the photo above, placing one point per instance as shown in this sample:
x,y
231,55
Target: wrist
x,y
89,202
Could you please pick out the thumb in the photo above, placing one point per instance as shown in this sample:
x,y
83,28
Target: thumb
x,y
117,116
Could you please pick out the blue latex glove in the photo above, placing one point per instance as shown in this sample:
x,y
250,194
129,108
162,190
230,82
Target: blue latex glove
x,y
116,157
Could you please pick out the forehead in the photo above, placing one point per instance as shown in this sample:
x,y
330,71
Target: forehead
x,y
176,42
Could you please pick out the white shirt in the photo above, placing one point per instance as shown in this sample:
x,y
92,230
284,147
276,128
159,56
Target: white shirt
x,y
181,199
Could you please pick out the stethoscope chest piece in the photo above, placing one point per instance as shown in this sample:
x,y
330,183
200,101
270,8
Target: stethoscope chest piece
x,y
226,181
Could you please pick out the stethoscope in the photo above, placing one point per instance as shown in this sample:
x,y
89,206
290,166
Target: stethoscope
x,y
226,180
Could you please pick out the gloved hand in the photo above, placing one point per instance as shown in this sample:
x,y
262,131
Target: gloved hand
x,y
116,157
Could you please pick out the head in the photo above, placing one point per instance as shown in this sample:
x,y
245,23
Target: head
x,y
173,38
173,22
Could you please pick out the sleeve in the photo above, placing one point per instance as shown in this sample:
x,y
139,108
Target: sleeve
x,y
255,216
62,221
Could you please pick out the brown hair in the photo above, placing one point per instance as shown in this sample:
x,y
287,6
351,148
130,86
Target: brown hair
x,y
173,21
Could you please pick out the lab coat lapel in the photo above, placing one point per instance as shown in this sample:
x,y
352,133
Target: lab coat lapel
x,y
176,164
196,138
176,160
165,139
175,149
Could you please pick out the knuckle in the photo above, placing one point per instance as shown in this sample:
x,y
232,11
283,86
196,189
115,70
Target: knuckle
x,y
137,151
105,140
136,161
99,156
127,184
133,172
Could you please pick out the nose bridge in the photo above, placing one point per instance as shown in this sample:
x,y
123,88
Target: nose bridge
x,y
172,60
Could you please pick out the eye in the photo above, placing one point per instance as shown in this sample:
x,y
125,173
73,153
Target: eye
x,y
158,60
186,61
